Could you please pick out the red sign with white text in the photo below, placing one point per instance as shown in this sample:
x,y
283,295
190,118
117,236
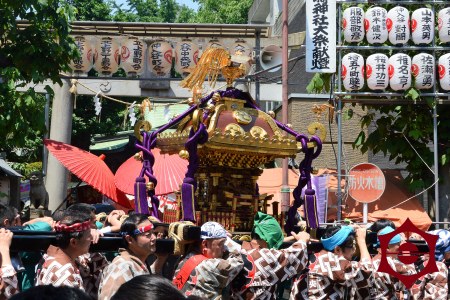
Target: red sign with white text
x,y
366,183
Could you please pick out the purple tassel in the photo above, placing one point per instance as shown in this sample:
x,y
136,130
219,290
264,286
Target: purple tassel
x,y
140,196
187,194
312,219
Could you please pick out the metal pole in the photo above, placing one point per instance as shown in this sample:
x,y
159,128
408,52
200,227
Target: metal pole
x,y
46,118
285,190
339,121
436,163
257,66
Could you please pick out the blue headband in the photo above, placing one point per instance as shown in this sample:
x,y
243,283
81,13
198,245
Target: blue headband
x,y
337,239
388,229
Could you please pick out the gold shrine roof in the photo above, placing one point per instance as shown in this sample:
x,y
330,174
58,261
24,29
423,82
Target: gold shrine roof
x,y
238,136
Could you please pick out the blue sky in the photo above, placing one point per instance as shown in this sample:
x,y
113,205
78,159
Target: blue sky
x,y
188,3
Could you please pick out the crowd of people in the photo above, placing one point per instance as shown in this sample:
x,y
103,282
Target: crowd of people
x,y
214,267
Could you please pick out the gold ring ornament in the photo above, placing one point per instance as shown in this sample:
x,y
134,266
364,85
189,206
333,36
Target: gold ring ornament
x,y
141,124
196,118
242,117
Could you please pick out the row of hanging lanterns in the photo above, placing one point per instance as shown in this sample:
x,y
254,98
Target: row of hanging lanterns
x,y
379,25
395,72
106,55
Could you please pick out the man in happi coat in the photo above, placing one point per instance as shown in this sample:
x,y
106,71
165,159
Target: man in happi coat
x,y
8,279
268,265
434,285
385,286
140,242
333,273
59,267
209,267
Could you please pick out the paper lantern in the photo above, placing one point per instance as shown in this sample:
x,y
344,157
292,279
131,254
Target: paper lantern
x,y
444,72
214,43
377,71
160,57
444,25
353,72
398,25
83,64
132,56
186,56
240,47
399,72
106,56
353,24
422,26
423,71
375,25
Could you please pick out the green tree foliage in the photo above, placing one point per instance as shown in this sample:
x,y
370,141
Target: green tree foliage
x,y
223,12
92,10
33,54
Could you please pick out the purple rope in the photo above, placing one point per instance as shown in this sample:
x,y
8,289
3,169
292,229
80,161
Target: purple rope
x,y
189,183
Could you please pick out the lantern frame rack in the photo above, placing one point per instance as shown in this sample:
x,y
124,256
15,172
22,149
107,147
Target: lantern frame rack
x,y
410,2
392,97
180,30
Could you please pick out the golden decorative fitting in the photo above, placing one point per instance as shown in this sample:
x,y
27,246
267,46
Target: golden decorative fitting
x,y
216,97
141,124
271,113
258,132
138,157
210,107
191,102
184,154
150,186
234,129
242,117
315,127
196,118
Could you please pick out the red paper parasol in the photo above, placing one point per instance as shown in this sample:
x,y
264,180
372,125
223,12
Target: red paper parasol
x,y
169,170
88,167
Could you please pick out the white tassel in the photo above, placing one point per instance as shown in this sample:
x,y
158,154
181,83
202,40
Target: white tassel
x,y
98,104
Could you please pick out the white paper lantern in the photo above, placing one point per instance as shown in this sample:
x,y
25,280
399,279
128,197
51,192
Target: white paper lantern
x,y
186,56
444,25
214,43
353,24
377,71
398,25
423,71
444,72
353,71
106,58
399,72
241,47
375,25
82,65
160,57
132,56
422,26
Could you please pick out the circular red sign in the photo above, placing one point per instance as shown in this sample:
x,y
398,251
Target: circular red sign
x,y
366,183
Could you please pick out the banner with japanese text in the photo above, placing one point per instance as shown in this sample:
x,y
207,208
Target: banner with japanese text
x,y
321,36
